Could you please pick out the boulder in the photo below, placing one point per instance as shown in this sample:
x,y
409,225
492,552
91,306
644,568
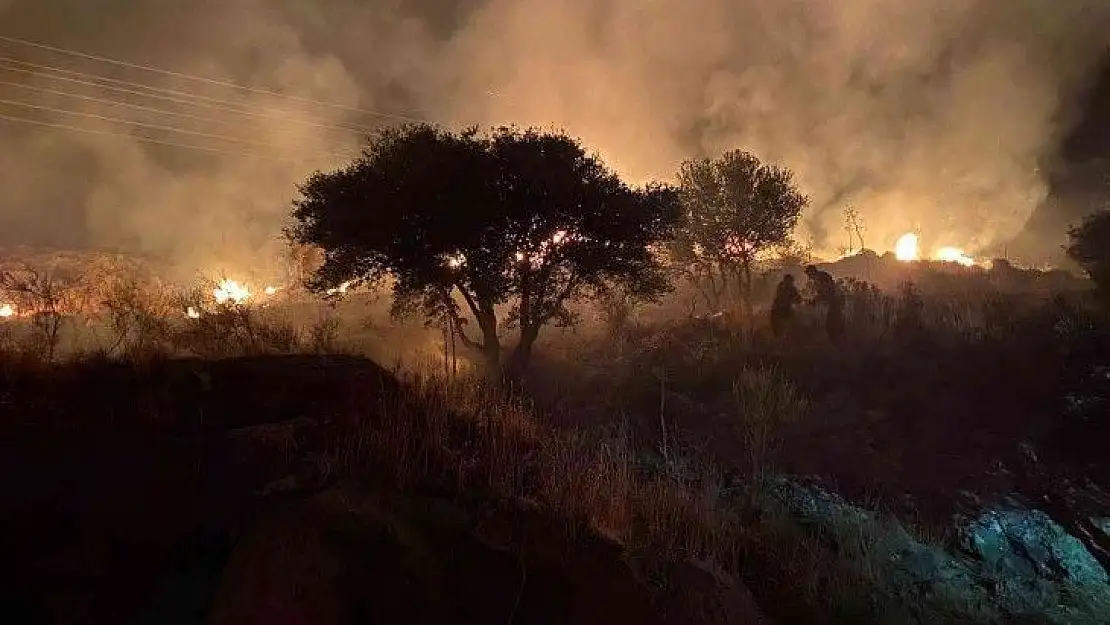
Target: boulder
x,y
1033,565
1010,563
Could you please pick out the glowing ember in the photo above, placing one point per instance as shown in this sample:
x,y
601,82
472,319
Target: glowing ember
x,y
192,313
230,291
906,248
954,255
342,288
270,290
7,310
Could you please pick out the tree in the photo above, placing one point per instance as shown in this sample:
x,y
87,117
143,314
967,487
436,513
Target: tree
x,y
735,208
46,298
853,225
1090,248
515,224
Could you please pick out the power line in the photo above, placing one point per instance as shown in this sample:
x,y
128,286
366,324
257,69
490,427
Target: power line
x,y
180,97
92,131
132,105
210,81
151,126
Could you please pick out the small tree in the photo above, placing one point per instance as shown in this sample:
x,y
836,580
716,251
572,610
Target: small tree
x,y
514,223
735,207
853,225
46,298
1090,248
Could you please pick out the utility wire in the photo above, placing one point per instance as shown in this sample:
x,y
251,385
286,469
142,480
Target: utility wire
x,y
92,131
211,81
139,107
180,97
153,126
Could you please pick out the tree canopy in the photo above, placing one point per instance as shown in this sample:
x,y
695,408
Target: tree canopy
x,y
735,207
517,223
1089,247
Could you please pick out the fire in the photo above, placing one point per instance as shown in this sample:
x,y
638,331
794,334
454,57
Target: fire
x,y
954,255
192,313
906,248
270,290
230,291
7,310
342,288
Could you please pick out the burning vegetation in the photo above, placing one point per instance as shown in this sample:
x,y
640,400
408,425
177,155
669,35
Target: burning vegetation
x,y
612,373
895,353
906,249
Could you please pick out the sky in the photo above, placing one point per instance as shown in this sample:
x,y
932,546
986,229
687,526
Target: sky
x,y
975,123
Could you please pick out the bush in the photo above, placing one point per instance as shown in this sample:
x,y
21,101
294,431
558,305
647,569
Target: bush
x,y
765,400
1090,248
235,330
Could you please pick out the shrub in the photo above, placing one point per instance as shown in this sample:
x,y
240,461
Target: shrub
x,y
1090,248
765,400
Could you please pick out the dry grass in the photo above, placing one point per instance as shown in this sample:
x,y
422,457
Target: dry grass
x,y
469,438
459,434
764,400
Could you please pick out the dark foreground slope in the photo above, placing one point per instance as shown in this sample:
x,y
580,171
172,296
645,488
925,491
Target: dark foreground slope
x,y
325,490
225,492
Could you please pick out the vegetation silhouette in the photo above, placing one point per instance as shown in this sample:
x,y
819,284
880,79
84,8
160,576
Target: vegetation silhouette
x,y
1089,246
645,467
516,223
736,207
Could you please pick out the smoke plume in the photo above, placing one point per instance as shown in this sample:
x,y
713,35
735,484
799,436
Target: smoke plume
x,y
928,115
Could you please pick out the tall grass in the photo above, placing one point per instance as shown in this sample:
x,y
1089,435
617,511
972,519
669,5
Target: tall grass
x,y
459,435
765,400
465,437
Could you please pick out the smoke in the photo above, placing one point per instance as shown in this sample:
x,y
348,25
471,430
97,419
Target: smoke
x,y
927,115
216,210
934,115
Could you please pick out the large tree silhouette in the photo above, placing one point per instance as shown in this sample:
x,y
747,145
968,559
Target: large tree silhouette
x,y
735,207
504,228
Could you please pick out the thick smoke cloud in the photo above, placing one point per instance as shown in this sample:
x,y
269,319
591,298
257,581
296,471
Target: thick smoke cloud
x,y
929,115
934,115
213,211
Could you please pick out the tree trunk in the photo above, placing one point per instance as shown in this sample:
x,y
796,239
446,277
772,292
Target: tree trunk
x,y
522,353
746,288
491,345
734,280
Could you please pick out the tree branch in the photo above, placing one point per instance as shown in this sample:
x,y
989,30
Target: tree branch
x,y
469,300
460,322
458,328
560,299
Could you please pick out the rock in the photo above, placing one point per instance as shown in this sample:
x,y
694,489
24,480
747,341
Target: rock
x,y
1012,563
924,578
1103,525
1031,560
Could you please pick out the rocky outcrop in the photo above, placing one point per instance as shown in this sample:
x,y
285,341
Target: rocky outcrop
x,y
1033,566
1008,564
